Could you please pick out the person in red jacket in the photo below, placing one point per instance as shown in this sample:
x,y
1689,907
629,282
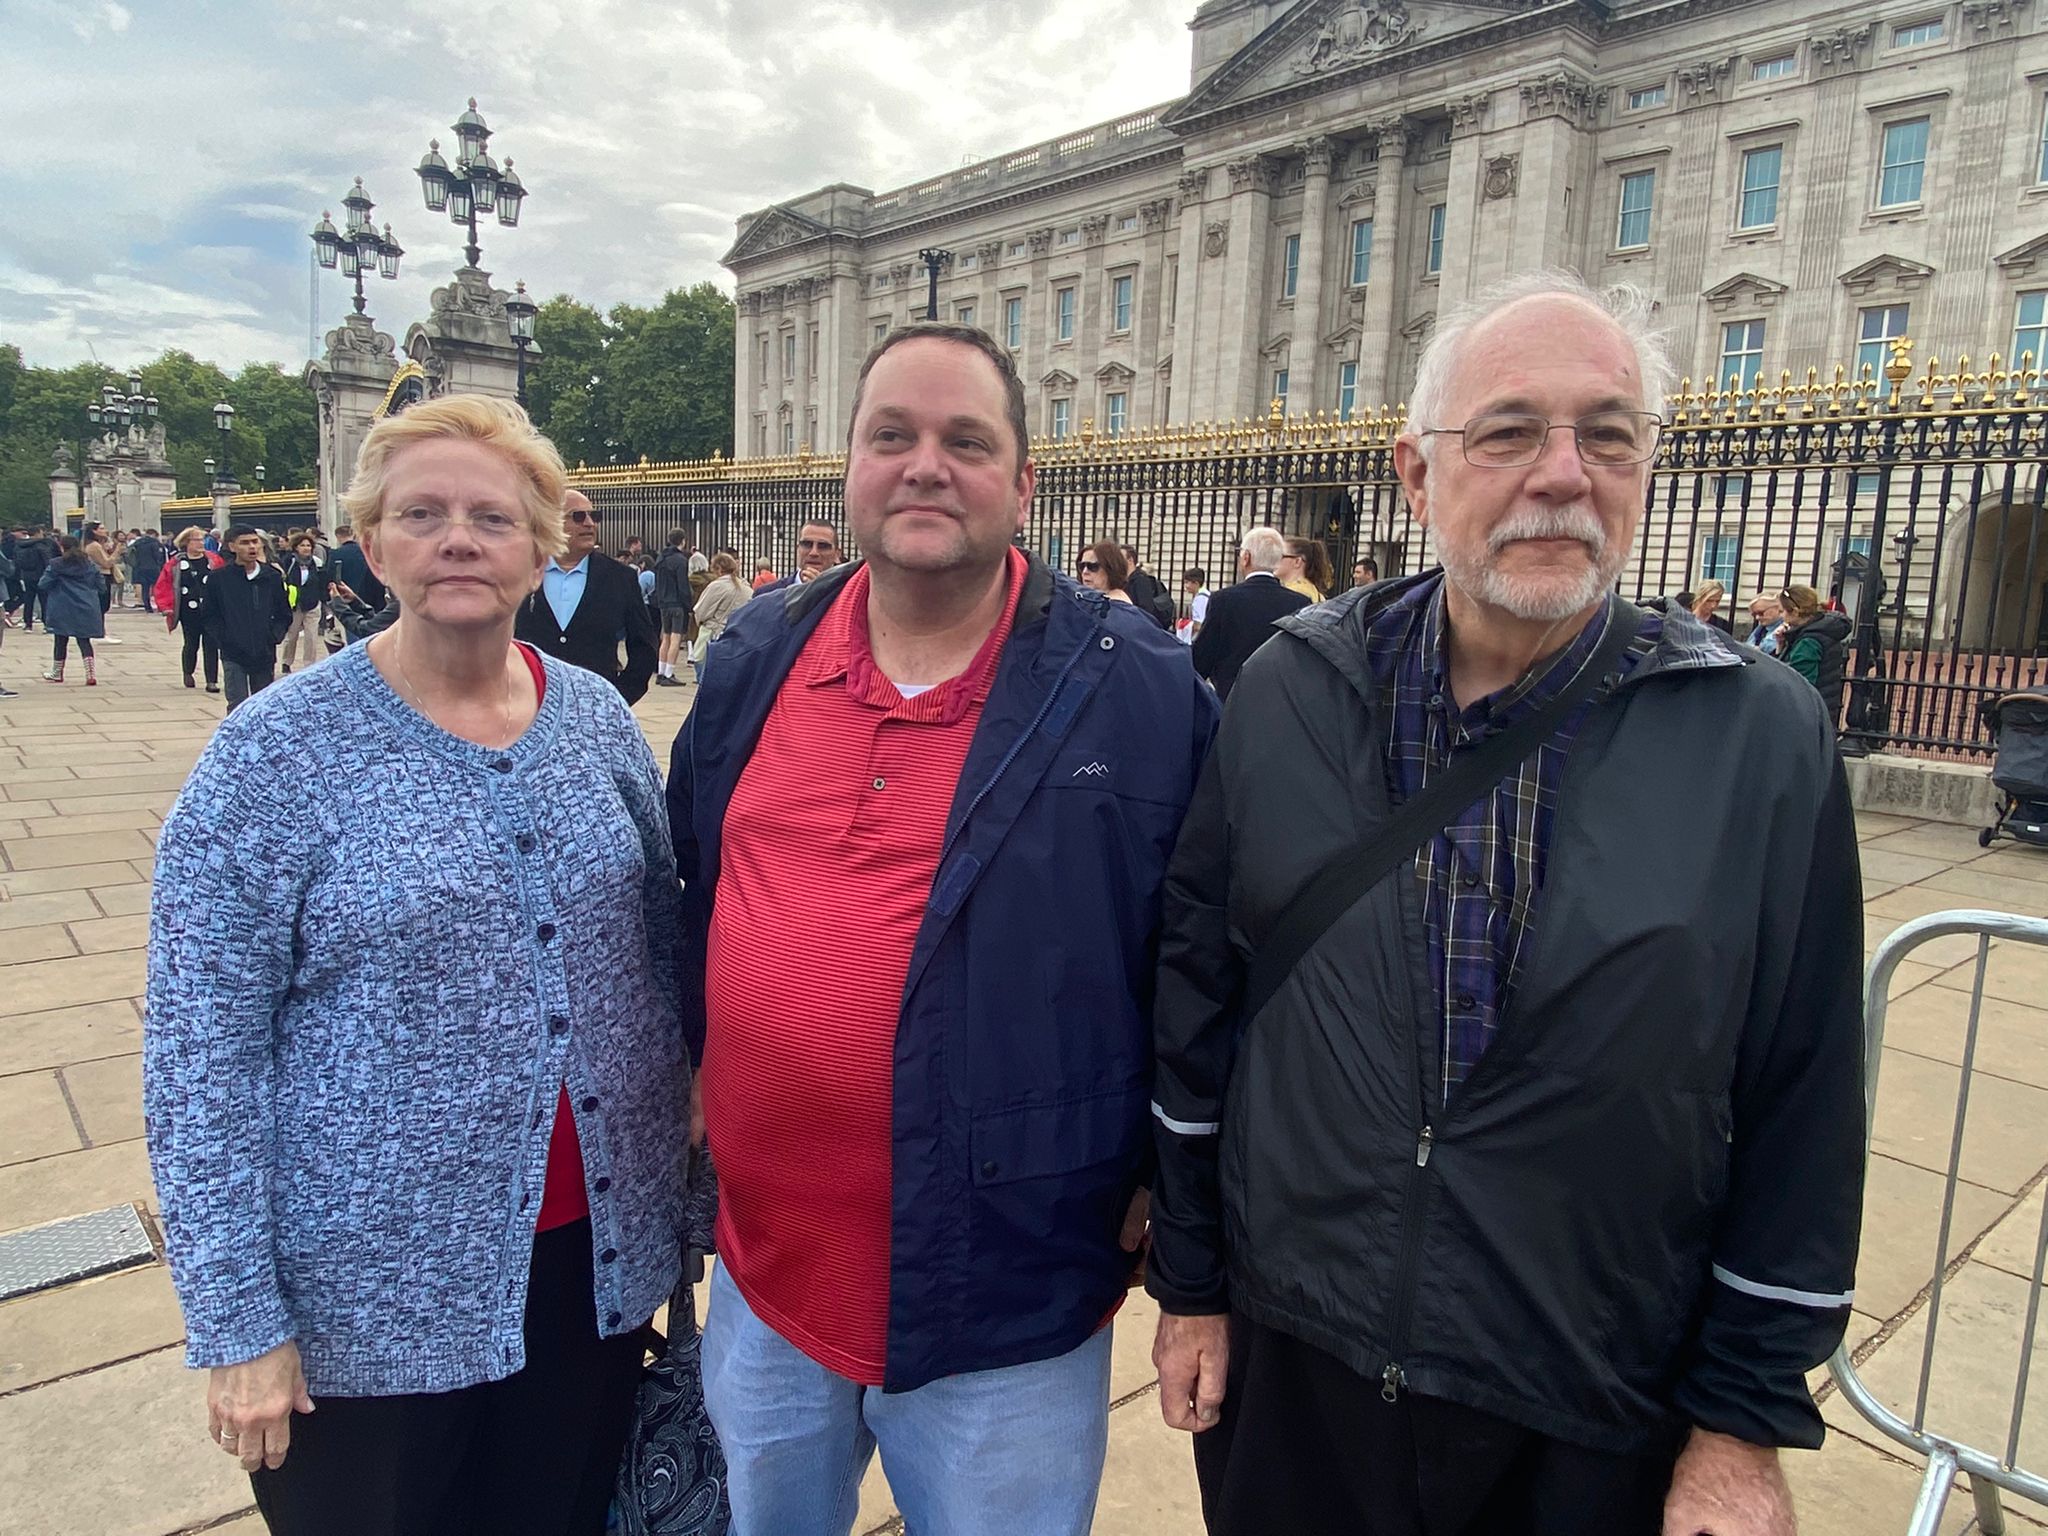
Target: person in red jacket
x,y
180,595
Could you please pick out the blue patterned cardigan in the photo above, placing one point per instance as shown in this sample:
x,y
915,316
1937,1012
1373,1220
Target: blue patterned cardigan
x,y
376,951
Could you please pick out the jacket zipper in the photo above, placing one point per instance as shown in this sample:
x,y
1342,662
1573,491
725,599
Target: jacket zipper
x,y
1393,1379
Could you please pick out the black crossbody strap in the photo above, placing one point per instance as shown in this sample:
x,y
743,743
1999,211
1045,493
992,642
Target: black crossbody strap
x,y
1339,885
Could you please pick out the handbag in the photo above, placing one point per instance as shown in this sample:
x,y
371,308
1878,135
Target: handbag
x,y
672,1477
1340,884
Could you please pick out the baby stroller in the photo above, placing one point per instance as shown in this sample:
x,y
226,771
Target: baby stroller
x,y
2019,766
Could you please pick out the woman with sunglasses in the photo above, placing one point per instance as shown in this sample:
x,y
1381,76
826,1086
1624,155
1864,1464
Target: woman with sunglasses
x,y
420,1147
1104,567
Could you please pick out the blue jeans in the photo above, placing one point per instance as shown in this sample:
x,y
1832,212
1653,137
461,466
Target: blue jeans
x,y
1018,1449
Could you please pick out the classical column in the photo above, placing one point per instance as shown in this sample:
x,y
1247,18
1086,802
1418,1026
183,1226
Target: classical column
x,y
744,362
1303,373
1094,328
1461,199
1379,347
1522,223
1152,332
1183,323
1238,387
802,395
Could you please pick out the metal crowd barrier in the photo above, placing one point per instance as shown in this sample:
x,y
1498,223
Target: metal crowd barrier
x,y
1947,1457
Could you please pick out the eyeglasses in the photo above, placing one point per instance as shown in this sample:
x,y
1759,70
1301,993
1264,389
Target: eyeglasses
x,y
827,545
1088,565
431,522
1507,440
584,515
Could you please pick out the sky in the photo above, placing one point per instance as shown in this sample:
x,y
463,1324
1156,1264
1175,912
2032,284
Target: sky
x,y
162,162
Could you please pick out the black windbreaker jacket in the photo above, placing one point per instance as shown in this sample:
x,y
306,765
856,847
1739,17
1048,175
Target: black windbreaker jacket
x,y
1640,1210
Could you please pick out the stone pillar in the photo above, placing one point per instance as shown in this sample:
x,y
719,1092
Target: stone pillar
x,y
349,380
1379,348
1237,387
1039,331
802,393
1184,322
1522,218
465,344
1461,200
66,487
224,493
1303,378
1829,196
1153,321
744,362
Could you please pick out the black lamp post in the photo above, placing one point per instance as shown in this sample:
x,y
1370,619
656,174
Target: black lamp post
x,y
520,310
935,261
115,414
357,248
224,423
474,184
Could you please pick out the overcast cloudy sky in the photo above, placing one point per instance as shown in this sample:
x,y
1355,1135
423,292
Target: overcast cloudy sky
x,y
161,161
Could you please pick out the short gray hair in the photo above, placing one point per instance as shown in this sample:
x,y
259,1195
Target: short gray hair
x,y
1264,546
1629,307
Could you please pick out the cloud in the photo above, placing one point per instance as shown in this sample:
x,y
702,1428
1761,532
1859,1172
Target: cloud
x,y
643,132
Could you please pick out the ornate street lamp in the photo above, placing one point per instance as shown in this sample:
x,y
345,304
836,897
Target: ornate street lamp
x,y
357,248
224,423
935,261
520,310
474,184
112,417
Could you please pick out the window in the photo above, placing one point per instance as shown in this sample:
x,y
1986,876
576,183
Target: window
x,y
1731,491
1013,323
1361,252
969,262
1649,96
1876,329
1280,387
1016,247
764,355
1632,227
1776,68
1760,173
1742,354
1120,303
1904,161
1063,329
1914,34
1115,411
1127,223
1062,418
2041,170
1070,237
1851,544
964,314
881,329
1719,553
789,437
1863,486
1434,260
1290,266
789,355
1347,391
813,352
2030,327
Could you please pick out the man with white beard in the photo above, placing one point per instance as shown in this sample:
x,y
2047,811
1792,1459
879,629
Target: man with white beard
x,y
1510,1152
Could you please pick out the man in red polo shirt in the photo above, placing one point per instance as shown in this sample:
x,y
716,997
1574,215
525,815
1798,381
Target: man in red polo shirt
x,y
931,1153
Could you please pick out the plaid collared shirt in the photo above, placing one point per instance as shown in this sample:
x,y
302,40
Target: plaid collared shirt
x,y
1481,875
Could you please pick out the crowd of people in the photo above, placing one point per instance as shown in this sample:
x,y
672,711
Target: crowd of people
x,y
1011,938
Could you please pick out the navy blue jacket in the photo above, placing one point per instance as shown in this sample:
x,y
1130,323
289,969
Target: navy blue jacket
x,y
1023,1055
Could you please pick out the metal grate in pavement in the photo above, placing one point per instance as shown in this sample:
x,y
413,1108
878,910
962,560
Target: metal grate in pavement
x,y
72,1249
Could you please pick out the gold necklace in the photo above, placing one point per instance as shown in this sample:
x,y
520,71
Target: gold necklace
x,y
420,702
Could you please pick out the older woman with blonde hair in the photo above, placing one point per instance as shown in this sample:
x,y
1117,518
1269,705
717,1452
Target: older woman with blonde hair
x,y
413,1072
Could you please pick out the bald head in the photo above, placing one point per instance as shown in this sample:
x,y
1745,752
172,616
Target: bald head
x,y
580,522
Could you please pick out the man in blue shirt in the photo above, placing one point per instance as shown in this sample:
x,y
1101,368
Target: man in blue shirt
x,y
587,605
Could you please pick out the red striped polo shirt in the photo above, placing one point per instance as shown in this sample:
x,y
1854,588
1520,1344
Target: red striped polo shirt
x,y
830,846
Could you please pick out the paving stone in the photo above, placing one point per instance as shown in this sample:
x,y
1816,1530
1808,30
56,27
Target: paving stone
x,y
116,779
2021,863
1875,824
123,900
1899,868
50,942
35,882
90,804
1950,843
108,1094
67,824
33,1041
1148,1484
91,1179
39,910
44,984
1850,1488
29,810
2001,893
1901,1220
1916,1099
86,848
2016,973
2011,1244
34,1120
116,1452
93,1322
105,934
1976,1360
2012,1040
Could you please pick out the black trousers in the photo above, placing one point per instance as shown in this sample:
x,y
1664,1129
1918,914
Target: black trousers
x,y
197,640
1307,1446
536,1454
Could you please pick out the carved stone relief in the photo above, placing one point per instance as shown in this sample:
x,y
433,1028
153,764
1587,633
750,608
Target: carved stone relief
x,y
1359,32
1215,238
1502,173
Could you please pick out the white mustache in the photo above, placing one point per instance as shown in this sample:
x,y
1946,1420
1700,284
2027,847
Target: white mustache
x,y
1573,521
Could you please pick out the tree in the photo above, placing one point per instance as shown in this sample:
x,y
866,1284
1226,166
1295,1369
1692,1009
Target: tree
x,y
670,375
562,389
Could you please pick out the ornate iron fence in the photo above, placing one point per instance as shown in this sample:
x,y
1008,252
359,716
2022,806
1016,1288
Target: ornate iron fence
x,y
1914,498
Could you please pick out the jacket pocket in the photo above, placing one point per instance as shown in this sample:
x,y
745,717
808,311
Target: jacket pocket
x,y
1040,1140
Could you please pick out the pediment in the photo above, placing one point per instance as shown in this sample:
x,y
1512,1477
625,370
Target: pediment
x,y
1329,39
1366,192
1278,345
1058,378
1344,335
1886,272
2025,260
1113,373
771,231
1745,289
